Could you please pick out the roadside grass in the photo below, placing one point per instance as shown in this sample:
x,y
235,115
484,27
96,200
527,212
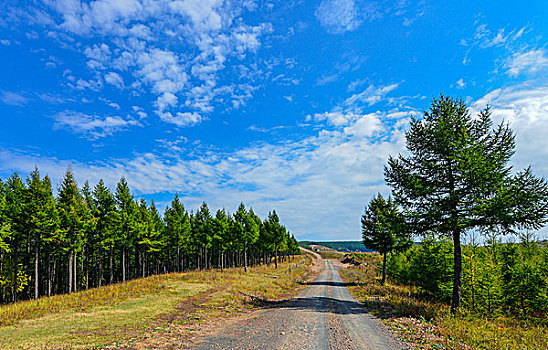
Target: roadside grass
x,y
153,312
425,323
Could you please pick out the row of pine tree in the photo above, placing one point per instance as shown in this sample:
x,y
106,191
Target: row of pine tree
x,y
88,237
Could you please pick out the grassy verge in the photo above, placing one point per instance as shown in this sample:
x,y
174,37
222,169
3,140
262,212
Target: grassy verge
x,y
158,311
427,324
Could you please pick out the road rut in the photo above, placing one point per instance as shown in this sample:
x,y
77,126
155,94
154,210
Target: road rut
x,y
324,316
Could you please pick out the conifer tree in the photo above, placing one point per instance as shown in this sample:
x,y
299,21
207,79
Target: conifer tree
x,y
106,216
5,227
43,223
457,178
383,229
127,222
72,224
221,236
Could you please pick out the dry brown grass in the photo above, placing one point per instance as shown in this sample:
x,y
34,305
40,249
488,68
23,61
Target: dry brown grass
x,y
425,323
154,312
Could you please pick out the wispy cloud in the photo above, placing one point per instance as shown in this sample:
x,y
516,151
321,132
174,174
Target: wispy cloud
x,y
338,16
182,119
175,50
460,84
371,95
484,38
530,61
91,126
13,99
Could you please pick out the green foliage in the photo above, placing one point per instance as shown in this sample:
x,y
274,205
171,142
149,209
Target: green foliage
x,y
428,265
457,178
498,279
384,229
6,280
383,226
87,237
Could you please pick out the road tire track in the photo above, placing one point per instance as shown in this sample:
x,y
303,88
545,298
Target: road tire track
x,y
324,316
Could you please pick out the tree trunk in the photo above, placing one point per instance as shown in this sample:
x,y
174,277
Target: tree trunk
x,y
206,260
54,279
69,268
100,272
111,262
383,269
75,276
245,257
49,272
276,257
16,271
457,274
123,264
36,265
222,259
87,269
178,257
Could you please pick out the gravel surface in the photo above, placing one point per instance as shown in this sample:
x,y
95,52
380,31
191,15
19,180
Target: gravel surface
x,y
324,316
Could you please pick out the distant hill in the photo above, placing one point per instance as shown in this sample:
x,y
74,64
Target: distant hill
x,y
341,246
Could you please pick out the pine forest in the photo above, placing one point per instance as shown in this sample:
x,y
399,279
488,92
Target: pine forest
x,y
86,237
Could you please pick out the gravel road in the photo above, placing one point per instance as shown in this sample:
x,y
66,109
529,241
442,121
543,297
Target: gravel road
x,y
324,316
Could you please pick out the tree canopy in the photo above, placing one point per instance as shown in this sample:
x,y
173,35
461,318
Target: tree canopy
x,y
88,237
456,178
383,228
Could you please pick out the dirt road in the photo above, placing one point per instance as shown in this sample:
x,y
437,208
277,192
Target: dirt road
x,y
324,316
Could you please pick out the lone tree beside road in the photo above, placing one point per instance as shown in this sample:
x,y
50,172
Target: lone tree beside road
x,y
383,229
457,178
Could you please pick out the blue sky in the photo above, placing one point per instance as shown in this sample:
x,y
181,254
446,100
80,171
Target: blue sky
x,y
286,105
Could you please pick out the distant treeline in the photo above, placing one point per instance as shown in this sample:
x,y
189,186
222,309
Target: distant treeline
x,y
341,246
87,237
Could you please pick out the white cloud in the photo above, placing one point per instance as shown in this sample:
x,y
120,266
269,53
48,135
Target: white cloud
x,y
338,16
175,50
336,118
91,126
460,84
531,61
371,95
484,37
365,125
526,109
115,79
182,119
340,166
13,99
5,42
337,168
